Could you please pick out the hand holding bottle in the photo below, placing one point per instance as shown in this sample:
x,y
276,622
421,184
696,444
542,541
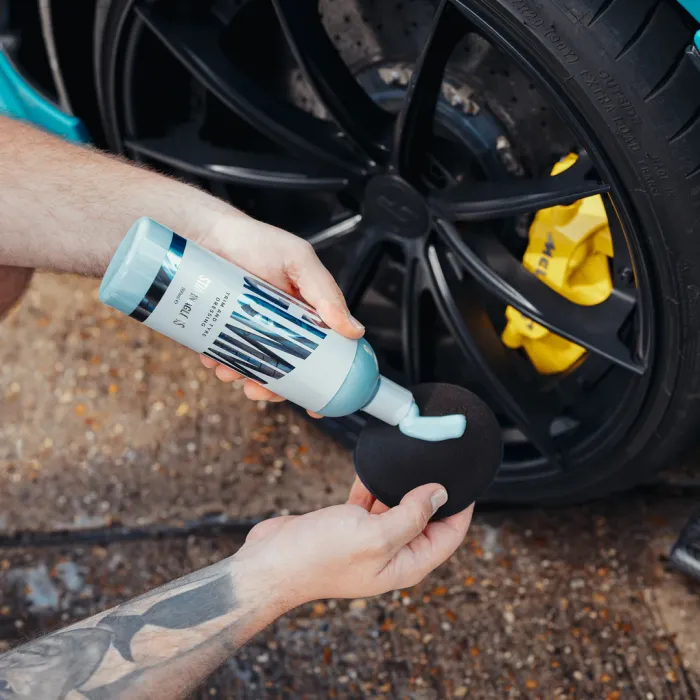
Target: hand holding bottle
x,y
288,263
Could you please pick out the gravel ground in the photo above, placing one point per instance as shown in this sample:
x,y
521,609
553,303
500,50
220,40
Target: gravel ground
x,y
109,424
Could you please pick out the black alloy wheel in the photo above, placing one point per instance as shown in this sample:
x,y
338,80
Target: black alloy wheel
x,y
414,161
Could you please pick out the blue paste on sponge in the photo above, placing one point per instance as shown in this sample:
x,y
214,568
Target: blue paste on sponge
x,y
432,428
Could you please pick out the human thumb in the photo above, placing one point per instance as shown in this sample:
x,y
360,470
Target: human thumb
x,y
406,521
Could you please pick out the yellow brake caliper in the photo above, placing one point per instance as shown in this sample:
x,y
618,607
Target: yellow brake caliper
x,y
568,250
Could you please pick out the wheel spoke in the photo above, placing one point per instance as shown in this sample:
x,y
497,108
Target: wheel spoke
x,y
328,237
362,120
359,271
627,276
414,128
481,201
478,340
595,328
196,46
621,252
412,339
184,150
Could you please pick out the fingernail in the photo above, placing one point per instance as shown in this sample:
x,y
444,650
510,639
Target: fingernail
x,y
355,322
438,500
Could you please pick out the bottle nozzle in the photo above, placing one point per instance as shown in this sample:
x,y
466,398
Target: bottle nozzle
x,y
395,405
391,403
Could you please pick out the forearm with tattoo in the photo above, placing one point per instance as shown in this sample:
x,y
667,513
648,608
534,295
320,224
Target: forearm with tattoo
x,y
161,645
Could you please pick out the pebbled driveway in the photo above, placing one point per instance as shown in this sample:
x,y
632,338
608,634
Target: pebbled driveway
x,y
103,423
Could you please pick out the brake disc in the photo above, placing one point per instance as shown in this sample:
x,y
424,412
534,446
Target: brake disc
x,y
373,33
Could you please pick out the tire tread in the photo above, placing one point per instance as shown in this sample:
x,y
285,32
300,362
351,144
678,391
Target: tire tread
x,y
695,171
656,50
674,101
620,23
667,77
645,26
686,127
600,11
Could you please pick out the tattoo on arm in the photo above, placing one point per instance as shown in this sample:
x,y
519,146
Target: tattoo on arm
x,y
134,649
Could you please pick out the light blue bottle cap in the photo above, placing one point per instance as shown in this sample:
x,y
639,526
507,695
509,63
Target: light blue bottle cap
x,y
135,265
391,402
359,386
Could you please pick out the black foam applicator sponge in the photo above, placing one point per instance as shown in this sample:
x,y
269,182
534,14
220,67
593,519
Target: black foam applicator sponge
x,y
390,464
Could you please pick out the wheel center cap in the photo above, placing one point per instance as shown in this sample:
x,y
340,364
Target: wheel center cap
x,y
394,206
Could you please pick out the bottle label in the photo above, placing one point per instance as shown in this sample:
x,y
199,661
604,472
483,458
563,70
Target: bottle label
x,y
213,307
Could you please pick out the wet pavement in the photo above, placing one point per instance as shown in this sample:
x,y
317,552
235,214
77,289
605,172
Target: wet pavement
x,y
103,424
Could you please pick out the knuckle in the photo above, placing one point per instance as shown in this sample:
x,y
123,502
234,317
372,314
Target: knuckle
x,y
257,529
298,258
305,249
255,532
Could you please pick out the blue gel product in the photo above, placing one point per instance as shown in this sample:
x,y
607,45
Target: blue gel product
x,y
432,428
217,309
